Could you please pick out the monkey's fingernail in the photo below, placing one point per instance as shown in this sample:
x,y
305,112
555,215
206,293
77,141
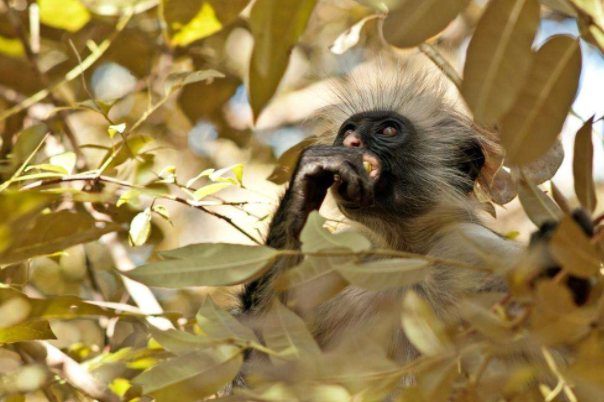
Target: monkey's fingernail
x,y
367,166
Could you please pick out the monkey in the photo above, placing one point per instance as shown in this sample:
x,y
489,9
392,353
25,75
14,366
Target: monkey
x,y
426,158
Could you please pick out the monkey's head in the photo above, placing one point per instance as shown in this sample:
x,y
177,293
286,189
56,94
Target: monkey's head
x,y
423,151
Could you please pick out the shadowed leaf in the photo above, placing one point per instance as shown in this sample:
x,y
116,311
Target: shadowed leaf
x,y
531,127
315,237
499,57
415,21
583,167
385,274
217,264
572,248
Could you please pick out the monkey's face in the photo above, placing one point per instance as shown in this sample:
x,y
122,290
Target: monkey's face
x,y
410,166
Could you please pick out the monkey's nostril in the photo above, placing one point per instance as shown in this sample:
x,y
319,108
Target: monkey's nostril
x,y
352,140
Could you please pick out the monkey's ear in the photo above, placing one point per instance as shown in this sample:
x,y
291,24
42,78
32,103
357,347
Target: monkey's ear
x,y
472,161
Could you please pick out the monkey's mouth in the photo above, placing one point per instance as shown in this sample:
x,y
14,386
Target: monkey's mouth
x,y
372,165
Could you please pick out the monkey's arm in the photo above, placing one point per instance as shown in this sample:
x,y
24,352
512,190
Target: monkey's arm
x,y
318,168
314,174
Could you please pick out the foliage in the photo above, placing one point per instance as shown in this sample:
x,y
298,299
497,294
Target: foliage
x,y
87,192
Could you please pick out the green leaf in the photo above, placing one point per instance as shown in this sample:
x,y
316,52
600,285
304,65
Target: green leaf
x,y
313,282
286,333
129,197
583,167
208,264
499,57
237,170
32,331
126,151
209,190
70,15
161,211
219,324
276,26
191,20
573,250
386,274
538,206
180,342
193,376
66,160
27,141
140,228
179,80
205,173
53,232
415,21
315,237
423,328
532,126
46,167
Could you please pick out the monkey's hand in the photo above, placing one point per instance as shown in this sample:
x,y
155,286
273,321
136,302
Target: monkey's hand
x,y
580,287
321,167
318,169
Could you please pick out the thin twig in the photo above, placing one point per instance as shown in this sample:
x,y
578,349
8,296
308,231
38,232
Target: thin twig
x,y
108,179
434,55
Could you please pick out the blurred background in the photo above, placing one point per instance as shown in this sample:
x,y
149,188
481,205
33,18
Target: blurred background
x,y
206,124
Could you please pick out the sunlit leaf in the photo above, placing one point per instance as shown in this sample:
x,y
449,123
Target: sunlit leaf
x,y
218,264
415,21
193,376
179,80
66,160
11,47
583,167
70,15
315,237
36,330
113,129
531,127
385,274
350,37
161,211
140,228
276,26
209,190
129,197
499,57
423,328
191,20
119,7
572,248
205,173
219,324
538,206
286,333
237,170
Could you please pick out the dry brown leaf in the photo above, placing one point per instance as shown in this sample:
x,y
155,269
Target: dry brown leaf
x,y
572,248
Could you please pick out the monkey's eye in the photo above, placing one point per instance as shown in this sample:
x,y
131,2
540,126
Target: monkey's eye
x,y
389,130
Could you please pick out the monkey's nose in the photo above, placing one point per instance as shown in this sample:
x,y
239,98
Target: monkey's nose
x,y
353,140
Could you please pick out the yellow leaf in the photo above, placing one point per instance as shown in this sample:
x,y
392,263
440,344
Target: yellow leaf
x,y
533,124
499,57
202,25
583,167
70,15
11,47
417,20
140,228
209,190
